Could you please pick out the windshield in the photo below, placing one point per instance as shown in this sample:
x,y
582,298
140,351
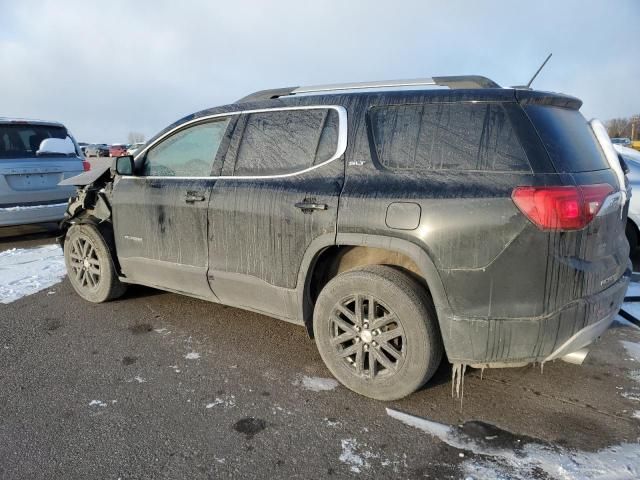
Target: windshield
x,y
23,140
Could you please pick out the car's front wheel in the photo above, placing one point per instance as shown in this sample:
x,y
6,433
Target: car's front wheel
x,y
376,331
90,266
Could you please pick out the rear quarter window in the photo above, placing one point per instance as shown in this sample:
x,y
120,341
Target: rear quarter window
x,y
568,139
446,136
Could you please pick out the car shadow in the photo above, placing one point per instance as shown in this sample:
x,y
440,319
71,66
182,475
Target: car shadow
x,y
29,235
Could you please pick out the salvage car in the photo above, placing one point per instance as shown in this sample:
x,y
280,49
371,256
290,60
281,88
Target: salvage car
x,y
117,150
481,223
97,150
35,156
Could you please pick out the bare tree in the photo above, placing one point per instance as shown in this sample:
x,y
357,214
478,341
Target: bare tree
x,y
618,127
135,137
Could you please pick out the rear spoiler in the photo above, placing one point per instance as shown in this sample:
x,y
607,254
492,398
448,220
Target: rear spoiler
x,y
535,97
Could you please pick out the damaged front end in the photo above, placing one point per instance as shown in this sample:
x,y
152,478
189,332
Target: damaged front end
x,y
91,203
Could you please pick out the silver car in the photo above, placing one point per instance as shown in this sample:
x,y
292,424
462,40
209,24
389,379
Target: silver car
x,y
34,157
632,158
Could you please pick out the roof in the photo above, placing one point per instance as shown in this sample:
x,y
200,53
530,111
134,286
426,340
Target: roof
x,y
32,121
453,82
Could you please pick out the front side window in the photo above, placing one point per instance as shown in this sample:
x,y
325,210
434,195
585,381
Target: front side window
x,y
446,136
286,141
188,153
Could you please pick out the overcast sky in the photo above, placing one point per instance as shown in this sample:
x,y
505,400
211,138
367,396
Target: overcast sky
x,y
105,68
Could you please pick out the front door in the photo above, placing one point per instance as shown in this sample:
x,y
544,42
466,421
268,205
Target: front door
x,y
281,182
160,214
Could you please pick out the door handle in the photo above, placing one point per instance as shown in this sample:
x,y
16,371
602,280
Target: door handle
x,y
311,206
192,197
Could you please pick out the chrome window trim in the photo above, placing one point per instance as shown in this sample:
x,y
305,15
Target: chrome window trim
x,y
340,149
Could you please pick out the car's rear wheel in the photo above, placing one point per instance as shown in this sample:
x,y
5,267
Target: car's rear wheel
x,y
377,332
90,266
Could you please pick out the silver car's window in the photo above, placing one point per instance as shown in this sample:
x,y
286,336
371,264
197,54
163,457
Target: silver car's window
x,y
22,140
187,153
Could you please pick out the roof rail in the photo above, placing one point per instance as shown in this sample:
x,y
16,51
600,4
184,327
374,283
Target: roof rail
x,y
463,81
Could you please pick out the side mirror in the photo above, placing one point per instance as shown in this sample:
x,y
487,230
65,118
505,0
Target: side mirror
x,y
123,165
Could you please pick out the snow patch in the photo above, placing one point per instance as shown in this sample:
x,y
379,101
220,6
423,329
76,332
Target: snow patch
x,y
97,403
139,379
192,356
318,384
633,290
636,414
621,461
227,401
25,271
350,457
632,349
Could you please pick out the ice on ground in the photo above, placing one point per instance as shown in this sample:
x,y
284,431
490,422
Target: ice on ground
x,y
617,462
624,321
632,308
318,384
633,349
97,403
633,290
350,456
139,379
25,271
192,356
226,401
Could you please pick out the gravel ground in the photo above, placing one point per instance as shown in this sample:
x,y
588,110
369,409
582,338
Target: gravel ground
x,y
156,385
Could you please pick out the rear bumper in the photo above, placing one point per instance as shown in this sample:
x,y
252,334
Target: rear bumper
x,y
32,214
501,342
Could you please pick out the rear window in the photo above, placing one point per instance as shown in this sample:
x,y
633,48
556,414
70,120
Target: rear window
x,y
23,140
446,136
568,138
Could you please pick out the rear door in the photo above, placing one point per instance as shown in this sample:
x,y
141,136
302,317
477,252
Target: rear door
x,y
27,179
160,214
279,192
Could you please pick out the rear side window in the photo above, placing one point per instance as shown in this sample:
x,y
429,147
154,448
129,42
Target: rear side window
x,y
188,153
568,138
446,136
286,141
23,140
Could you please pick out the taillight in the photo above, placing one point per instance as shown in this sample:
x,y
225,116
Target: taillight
x,y
561,208
86,166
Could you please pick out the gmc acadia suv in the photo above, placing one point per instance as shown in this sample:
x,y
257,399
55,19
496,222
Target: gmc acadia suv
x,y
481,222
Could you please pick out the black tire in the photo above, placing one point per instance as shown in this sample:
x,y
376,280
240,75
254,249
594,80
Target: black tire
x,y
632,236
90,265
414,333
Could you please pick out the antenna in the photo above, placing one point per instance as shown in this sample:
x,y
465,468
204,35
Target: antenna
x,y
538,71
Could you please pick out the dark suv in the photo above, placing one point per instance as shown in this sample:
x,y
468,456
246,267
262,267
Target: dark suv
x,y
483,222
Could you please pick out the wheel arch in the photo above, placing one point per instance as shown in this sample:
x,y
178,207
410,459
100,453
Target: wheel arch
x,y
400,253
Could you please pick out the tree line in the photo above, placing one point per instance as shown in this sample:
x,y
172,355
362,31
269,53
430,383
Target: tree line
x,y
624,127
